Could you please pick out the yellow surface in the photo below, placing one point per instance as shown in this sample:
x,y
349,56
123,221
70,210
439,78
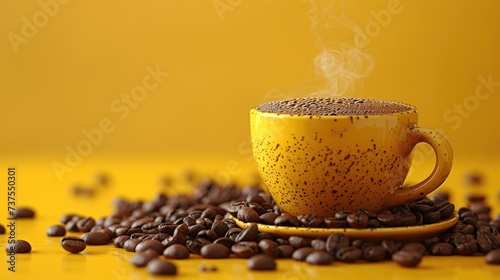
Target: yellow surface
x,y
68,71
137,178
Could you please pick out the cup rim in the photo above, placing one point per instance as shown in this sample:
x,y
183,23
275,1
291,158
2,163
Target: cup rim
x,y
410,109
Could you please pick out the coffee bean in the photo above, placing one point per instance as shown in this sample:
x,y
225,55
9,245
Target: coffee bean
x,y
120,241
108,232
194,246
319,257
312,221
430,241
261,262
415,247
392,247
387,218
161,267
349,254
486,241
140,222
220,228
19,247
2,229
406,258
66,218
151,227
176,251
358,220
24,213
248,234
493,257
318,244
285,251
268,218
85,224
302,253
143,258
130,244
154,245
248,215
408,219
299,242
442,249
208,234
95,238
466,244
332,222
432,217
56,230
245,249
215,251
287,220
269,247
374,253
226,241
73,244
446,211
336,241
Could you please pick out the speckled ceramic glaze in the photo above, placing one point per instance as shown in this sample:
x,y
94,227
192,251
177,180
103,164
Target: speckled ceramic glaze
x,y
323,164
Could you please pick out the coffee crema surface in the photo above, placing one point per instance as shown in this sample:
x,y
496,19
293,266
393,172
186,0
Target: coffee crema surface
x,y
333,106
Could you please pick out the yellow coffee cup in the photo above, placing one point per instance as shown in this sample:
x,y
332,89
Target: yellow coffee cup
x,y
324,155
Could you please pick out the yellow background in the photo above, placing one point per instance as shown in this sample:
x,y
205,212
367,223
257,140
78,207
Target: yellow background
x,y
63,74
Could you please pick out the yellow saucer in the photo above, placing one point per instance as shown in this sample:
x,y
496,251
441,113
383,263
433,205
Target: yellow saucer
x,y
405,234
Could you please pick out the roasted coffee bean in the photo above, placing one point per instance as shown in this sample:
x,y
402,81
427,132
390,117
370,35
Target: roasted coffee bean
x,y
71,226
151,227
56,230
2,229
375,253
64,219
138,235
387,218
416,247
312,221
130,244
419,218
332,222
73,244
176,239
160,236
264,235
245,249
299,242
268,218
182,229
319,257
95,238
302,253
142,221
248,234
120,241
161,267
248,215
194,246
235,207
215,251
85,224
257,208
167,228
209,213
358,243
432,217
392,247
422,208
195,229
19,247
233,232
406,258
486,241
374,223
226,241
466,244
281,241
430,241
255,198
336,241
261,262
24,213
143,258
96,228
150,244
318,244
446,211
110,233
358,220
408,219
208,234
342,215
220,228
269,247
287,220
491,229
493,257
442,249
349,254
285,251
176,251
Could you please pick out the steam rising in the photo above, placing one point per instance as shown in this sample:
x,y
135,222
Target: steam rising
x,y
341,64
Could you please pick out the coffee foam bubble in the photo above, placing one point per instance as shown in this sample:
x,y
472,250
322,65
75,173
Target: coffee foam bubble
x,y
333,106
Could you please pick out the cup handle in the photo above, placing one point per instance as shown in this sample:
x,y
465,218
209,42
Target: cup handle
x,y
444,160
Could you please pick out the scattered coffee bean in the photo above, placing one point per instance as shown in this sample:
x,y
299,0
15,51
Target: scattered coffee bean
x,y
269,247
261,262
302,253
406,258
442,249
154,245
215,251
2,229
358,220
24,213
285,251
248,215
176,251
349,254
19,247
120,241
85,224
130,244
161,267
245,249
73,244
95,238
56,230
248,234
375,253
319,257
415,247
493,257
143,258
